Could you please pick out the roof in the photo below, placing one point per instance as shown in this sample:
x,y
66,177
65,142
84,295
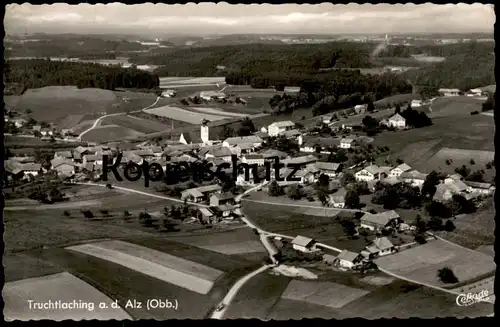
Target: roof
x,y
441,190
346,140
339,196
253,156
91,157
403,167
61,161
191,137
333,166
285,123
300,160
209,188
194,192
65,154
414,174
292,89
243,140
456,186
479,185
381,218
212,94
206,212
397,117
30,167
224,196
271,153
391,180
144,152
245,146
302,241
290,133
456,177
372,169
220,151
348,255
449,90
382,243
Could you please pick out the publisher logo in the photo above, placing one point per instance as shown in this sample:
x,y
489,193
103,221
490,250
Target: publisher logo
x,y
471,298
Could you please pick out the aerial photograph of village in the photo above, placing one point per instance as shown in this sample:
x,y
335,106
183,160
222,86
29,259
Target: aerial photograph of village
x,y
217,161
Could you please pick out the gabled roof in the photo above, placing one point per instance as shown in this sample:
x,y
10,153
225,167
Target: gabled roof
x,y
372,169
414,174
91,157
30,167
281,124
457,186
381,218
253,156
209,188
456,177
64,154
403,167
144,152
300,160
224,196
397,117
291,133
479,185
194,192
330,166
346,140
243,140
339,196
206,212
61,161
271,153
448,90
441,190
220,151
348,256
302,241
383,243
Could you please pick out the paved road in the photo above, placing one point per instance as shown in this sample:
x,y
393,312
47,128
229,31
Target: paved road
x,y
98,120
234,290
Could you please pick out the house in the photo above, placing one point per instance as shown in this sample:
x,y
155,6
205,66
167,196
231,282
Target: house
x,y
63,155
279,127
92,158
271,154
328,119
291,134
380,220
131,156
291,89
348,259
30,169
306,176
210,95
402,168
453,178
474,92
303,244
208,190
329,259
380,247
168,93
414,178
391,180
330,169
224,211
449,92
205,215
337,200
416,103
446,190
218,152
234,141
79,152
324,145
443,193
396,121
240,149
46,132
303,160
19,122
253,159
371,173
221,199
192,195
482,188
346,143
360,108
63,166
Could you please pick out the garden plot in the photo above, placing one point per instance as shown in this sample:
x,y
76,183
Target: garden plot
x,y
328,294
183,115
171,269
62,287
421,263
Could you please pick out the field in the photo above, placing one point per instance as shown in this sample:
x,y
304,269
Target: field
x,y
184,114
211,111
70,121
140,125
170,269
454,106
396,99
110,133
421,263
175,82
59,287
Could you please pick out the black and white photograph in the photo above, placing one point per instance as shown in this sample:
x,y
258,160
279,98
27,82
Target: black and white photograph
x,y
271,162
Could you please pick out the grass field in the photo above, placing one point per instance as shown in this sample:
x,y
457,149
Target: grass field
x,y
454,106
174,82
140,125
397,99
211,111
184,114
170,269
421,263
110,133
70,121
62,287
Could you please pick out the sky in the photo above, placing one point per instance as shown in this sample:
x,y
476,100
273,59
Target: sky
x,y
223,18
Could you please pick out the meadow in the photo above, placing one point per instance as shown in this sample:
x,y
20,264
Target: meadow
x,y
184,115
140,125
109,133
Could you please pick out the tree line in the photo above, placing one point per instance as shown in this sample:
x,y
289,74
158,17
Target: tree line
x,y
34,73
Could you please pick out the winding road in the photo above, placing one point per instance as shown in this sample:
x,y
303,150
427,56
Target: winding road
x,y
98,120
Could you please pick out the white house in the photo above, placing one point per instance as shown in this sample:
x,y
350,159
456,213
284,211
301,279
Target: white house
x,y
416,103
414,178
360,108
253,159
380,220
234,141
348,259
330,169
168,93
209,95
346,143
402,168
279,127
30,169
303,244
474,92
380,247
396,121
371,173
337,200
482,188
449,92
219,152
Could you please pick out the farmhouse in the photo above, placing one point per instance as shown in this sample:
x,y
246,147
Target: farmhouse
x,y
446,190
303,244
380,247
217,152
63,154
371,173
63,166
380,220
303,160
192,195
416,103
348,259
330,169
30,169
483,188
327,119
253,159
402,168
443,193
449,92
396,121
205,215
292,89
337,200
221,199
346,143
279,127
360,108
306,176
414,178
329,259
223,211
474,92
452,178
210,95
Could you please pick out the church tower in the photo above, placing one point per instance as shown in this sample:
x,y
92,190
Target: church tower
x,y
204,133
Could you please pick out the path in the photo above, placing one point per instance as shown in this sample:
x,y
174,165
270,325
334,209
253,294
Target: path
x,y
98,120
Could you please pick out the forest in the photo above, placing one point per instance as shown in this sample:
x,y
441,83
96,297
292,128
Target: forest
x,y
41,73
